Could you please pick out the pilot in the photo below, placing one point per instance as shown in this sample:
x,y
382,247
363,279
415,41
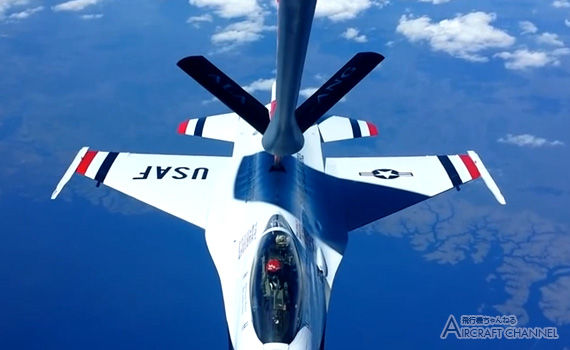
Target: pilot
x,y
281,241
273,267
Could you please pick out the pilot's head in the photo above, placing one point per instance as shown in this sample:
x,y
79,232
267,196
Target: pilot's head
x,y
281,240
273,265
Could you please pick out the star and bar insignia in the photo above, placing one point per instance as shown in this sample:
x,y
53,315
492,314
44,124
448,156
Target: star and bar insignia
x,y
387,174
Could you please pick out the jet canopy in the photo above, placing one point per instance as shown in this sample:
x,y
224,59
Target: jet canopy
x,y
276,285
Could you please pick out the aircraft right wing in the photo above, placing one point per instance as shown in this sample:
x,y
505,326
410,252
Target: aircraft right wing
x,y
181,185
380,186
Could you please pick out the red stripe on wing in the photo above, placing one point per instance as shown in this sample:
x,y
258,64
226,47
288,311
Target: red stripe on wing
x,y
470,165
85,162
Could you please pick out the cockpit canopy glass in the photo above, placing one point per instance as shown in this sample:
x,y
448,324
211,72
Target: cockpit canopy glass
x,y
275,286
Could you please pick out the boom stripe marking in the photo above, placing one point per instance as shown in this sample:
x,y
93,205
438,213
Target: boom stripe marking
x,y
355,128
451,172
85,162
471,167
104,169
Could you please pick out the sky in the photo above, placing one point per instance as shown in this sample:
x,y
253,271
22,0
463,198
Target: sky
x,y
96,269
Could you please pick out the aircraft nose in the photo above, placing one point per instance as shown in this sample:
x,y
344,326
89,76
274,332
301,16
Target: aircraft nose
x,y
275,346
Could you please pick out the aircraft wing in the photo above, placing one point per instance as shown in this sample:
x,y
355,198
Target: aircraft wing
x,y
380,186
180,185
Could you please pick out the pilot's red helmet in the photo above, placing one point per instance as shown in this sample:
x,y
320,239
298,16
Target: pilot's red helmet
x,y
273,265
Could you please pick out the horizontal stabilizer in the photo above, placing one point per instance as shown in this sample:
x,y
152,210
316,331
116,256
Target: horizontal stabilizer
x,y
335,88
226,90
335,128
218,127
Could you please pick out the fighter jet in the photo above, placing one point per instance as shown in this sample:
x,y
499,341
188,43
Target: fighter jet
x,y
276,213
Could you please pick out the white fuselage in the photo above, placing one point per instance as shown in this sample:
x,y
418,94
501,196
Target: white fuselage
x,y
237,225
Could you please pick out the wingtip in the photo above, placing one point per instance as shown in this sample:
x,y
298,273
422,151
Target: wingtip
x,y
69,172
486,176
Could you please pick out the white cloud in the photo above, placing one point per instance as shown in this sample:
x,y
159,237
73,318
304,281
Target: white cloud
x,y
196,20
229,8
241,32
463,36
549,39
7,5
74,5
259,85
26,13
92,16
307,92
436,2
341,10
527,27
249,29
527,140
567,22
354,35
561,3
522,59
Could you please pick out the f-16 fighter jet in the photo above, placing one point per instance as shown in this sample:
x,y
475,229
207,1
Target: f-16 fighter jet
x,y
276,213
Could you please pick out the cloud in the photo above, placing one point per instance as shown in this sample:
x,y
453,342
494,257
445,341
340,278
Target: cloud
x,y
74,5
435,2
249,29
527,27
523,58
241,32
341,10
26,13
567,22
527,140
8,5
229,8
561,3
463,36
196,20
259,85
549,39
354,35
92,16
307,92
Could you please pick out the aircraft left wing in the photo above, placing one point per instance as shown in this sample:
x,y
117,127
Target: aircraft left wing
x,y
180,185
380,186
